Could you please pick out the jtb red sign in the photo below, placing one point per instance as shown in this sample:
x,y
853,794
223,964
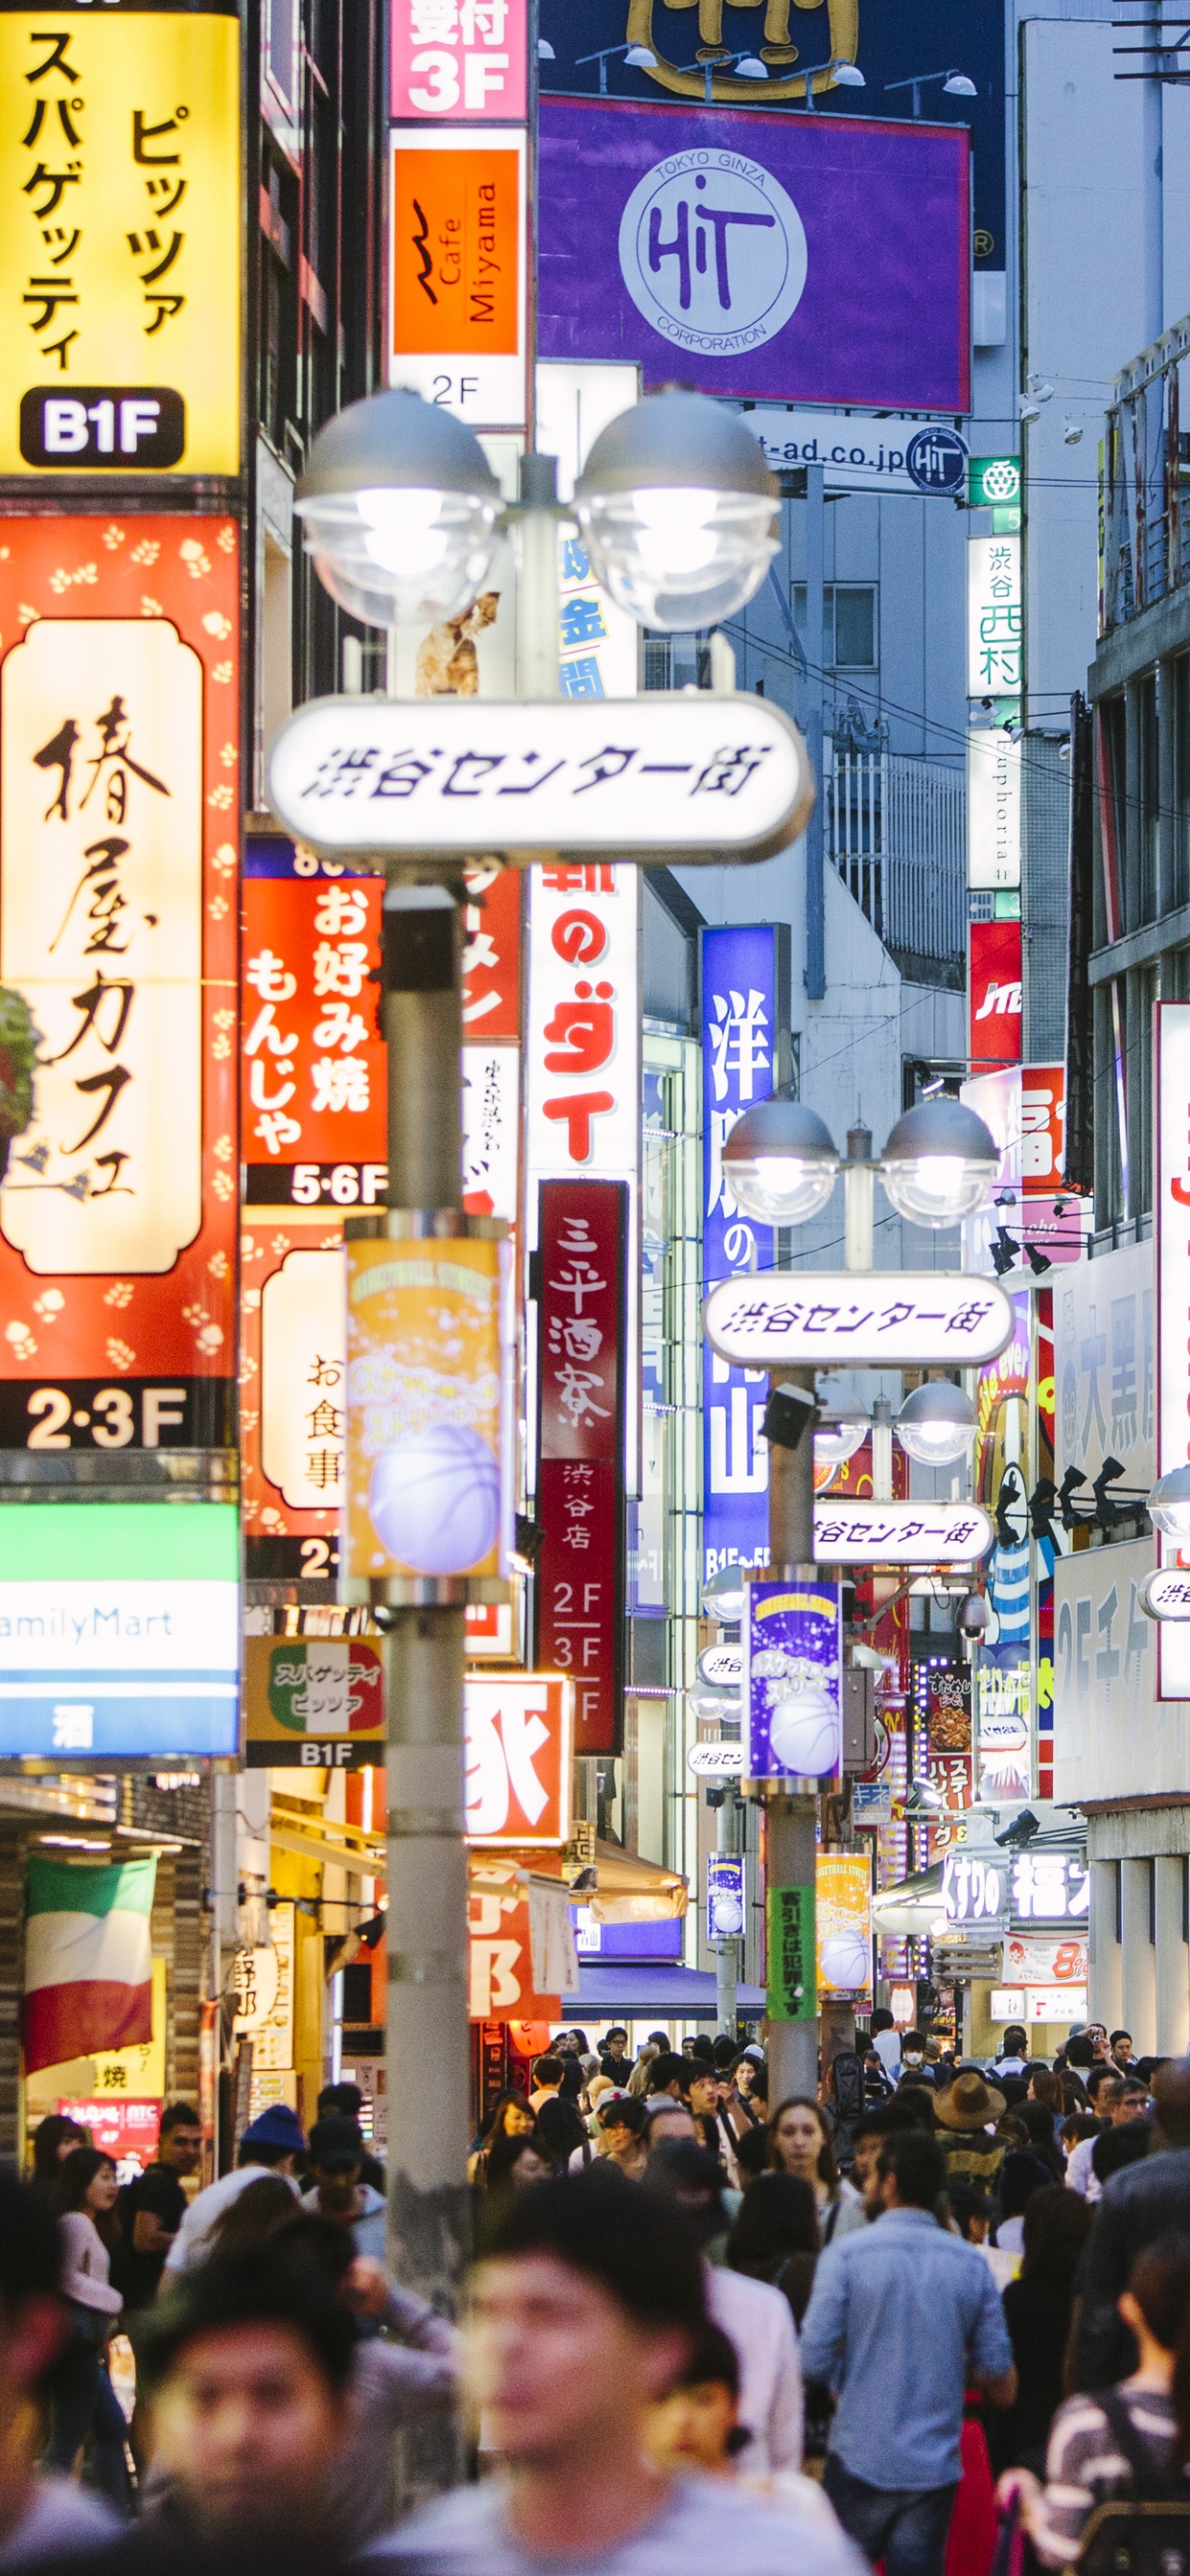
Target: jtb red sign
x,y
995,993
580,1482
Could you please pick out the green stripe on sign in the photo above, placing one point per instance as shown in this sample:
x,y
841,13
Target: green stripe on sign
x,y
59,1887
113,1542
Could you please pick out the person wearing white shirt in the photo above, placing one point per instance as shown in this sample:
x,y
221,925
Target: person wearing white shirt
x,y
271,2144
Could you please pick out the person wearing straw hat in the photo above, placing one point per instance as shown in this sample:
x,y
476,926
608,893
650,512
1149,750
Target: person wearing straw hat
x,y
965,2113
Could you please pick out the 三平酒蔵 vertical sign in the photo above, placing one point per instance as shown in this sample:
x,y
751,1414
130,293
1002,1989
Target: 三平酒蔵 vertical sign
x,y
119,797
581,1275
745,1017
120,241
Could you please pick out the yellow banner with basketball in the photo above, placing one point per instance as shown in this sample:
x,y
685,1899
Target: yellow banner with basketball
x,y
428,1444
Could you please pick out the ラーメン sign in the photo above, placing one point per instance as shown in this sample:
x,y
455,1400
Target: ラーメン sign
x,y
429,1444
894,1319
120,241
698,777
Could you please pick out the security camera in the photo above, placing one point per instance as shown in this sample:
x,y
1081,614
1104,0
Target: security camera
x,y
974,1615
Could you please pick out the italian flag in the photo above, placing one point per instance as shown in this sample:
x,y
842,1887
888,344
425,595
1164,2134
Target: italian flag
x,y
88,1975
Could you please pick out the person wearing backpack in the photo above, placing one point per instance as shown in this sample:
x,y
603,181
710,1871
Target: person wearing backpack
x,y
1125,2445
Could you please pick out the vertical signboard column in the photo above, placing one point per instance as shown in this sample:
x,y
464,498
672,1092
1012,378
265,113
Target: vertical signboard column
x,y
582,1258
1171,1202
460,323
745,1017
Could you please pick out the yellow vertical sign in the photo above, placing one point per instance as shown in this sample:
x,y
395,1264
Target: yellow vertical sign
x,y
119,242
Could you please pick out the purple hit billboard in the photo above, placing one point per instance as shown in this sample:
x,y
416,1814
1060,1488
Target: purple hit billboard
x,y
805,258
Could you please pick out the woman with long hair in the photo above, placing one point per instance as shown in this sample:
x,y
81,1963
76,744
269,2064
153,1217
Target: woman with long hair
x,y
1037,2309
774,2237
800,2143
515,2163
85,2406
255,2213
509,2117
54,2139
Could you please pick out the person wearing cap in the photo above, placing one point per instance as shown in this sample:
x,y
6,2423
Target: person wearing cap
x,y
270,2144
964,2114
336,2190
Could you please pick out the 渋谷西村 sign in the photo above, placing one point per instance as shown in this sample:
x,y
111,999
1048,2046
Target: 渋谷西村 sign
x,y
894,1319
700,776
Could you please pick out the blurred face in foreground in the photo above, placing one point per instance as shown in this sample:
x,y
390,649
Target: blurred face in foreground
x,y
247,2427
559,2370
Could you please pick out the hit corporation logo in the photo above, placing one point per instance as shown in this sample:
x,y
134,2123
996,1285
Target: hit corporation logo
x,y
713,252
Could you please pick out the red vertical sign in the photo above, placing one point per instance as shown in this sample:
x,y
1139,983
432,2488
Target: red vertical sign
x,y
995,993
581,1260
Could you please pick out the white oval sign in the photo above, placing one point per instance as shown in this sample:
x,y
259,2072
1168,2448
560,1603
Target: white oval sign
x,y
722,1667
853,1533
715,1761
702,776
1166,1594
889,1319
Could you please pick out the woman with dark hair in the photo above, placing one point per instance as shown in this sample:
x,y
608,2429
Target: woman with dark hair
x,y
84,2404
1021,2175
515,2162
253,2214
561,2133
1037,2310
1038,2118
509,2117
800,2143
774,2237
1135,2436
1046,2087
54,2140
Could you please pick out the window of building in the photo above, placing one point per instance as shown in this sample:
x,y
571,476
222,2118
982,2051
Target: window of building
x,y
1149,798
848,624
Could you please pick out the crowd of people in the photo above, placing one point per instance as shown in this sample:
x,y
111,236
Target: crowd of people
x,y
935,2319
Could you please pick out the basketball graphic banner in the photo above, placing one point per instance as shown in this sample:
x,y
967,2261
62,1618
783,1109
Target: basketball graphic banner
x,y
428,1490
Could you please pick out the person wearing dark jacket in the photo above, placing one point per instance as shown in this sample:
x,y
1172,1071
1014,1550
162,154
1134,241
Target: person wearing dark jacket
x,y
1037,2309
774,2237
1147,2201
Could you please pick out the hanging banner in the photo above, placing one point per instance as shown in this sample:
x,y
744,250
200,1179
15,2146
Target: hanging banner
x,y
315,1107
293,1367
1043,1128
458,326
581,1267
793,1682
843,1927
120,242
725,1896
745,1046
429,1459
791,1985
119,750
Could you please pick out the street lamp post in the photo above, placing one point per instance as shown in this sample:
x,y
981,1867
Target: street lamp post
x,y
400,513
781,1164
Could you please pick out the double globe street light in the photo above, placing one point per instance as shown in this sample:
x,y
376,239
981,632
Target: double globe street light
x,y
401,513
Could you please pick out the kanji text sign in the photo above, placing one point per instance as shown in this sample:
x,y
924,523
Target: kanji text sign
x,y
120,241
580,1475
893,1319
461,59
699,776
1166,1595
850,1533
517,1764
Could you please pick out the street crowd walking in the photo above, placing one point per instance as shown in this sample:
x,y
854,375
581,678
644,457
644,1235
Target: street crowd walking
x,y
908,2325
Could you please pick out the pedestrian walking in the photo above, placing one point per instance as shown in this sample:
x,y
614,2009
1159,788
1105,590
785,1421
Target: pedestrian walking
x,y
698,2426
1127,2440
85,2409
965,2113
903,2319
54,2139
1118,2101
271,2144
43,2514
1037,2313
774,2237
150,2210
510,2117
755,2316
583,2313
336,2190
801,2142
346,2101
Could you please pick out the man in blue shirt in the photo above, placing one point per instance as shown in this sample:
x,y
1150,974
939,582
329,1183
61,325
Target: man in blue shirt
x,y
903,2319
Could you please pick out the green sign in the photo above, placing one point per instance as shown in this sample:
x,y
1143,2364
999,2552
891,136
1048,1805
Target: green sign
x,y
994,482
792,1991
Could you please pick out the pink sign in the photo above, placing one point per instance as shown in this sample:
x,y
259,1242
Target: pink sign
x,y
459,60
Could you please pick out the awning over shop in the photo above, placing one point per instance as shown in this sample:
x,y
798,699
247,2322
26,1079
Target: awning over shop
x,y
630,1890
657,1991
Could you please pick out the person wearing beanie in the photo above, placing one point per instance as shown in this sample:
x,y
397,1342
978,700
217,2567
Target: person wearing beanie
x,y
270,2144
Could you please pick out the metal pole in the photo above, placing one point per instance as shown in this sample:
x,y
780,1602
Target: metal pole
x,y
1152,139
426,2022
727,1954
790,1838
815,597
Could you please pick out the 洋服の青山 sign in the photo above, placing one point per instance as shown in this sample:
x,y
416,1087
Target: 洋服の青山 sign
x,y
807,258
717,778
